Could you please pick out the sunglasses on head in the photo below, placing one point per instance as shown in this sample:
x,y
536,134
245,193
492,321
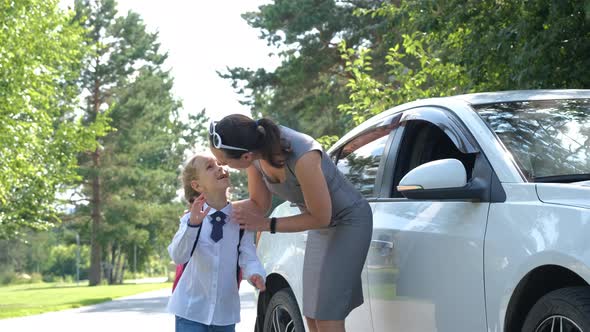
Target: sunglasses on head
x,y
216,139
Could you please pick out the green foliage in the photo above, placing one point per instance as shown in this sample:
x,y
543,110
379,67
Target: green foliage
x,y
62,261
239,185
305,90
44,255
40,134
451,47
7,275
415,70
327,141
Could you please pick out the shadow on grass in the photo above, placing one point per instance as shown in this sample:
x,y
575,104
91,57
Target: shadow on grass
x,y
83,303
45,288
77,286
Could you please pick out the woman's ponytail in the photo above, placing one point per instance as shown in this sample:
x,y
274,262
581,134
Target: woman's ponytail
x,y
270,146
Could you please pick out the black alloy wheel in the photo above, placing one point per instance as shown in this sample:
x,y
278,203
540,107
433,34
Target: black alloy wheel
x,y
562,310
282,313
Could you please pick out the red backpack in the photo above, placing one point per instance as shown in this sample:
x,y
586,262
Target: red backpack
x,y
180,267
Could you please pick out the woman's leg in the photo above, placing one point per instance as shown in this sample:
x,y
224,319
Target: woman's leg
x,y
325,325
311,324
328,253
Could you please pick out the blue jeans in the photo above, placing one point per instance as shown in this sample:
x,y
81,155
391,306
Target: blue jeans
x,y
185,325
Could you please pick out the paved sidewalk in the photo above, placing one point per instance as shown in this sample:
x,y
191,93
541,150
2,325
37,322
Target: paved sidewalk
x,y
143,312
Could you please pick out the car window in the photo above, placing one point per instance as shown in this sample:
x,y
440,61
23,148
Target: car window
x,y
424,142
550,139
359,159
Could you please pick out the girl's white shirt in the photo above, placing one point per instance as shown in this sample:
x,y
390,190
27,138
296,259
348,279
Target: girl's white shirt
x,y
207,291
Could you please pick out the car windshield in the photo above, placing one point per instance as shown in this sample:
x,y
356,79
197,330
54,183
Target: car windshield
x,y
549,139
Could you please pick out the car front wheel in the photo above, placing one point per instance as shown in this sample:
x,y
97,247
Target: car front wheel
x,y
563,310
282,313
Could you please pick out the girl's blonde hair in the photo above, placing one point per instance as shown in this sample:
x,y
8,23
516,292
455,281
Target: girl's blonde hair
x,y
190,173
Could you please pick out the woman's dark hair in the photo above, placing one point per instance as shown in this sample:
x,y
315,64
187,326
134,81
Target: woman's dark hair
x,y
262,136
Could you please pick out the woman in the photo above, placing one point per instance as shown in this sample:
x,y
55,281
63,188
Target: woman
x,y
293,166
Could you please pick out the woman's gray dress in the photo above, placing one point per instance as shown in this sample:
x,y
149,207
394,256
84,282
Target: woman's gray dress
x,y
334,256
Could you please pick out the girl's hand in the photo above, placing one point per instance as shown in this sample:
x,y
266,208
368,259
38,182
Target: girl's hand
x,y
258,282
249,218
197,213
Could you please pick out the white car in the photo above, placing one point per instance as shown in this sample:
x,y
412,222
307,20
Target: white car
x,y
481,208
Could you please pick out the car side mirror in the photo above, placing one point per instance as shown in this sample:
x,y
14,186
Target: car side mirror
x,y
440,180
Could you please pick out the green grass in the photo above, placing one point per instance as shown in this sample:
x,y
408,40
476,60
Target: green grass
x,y
23,300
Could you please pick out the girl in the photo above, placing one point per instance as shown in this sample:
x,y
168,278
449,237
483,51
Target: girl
x,y
206,297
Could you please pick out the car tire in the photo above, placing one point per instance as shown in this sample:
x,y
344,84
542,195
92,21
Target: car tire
x,y
282,313
566,309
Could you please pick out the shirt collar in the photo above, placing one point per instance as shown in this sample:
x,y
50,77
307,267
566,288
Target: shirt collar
x,y
226,209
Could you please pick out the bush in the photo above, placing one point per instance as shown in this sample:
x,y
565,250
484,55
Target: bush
x,y
7,275
21,278
36,278
62,261
49,278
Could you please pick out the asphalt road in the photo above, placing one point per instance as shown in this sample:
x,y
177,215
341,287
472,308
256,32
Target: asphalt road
x,y
143,312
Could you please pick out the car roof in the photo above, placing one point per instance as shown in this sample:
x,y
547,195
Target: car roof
x,y
520,95
472,99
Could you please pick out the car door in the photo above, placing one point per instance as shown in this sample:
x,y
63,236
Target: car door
x,y
425,265
359,159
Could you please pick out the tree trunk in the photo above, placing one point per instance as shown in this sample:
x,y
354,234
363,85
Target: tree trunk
x,y
112,265
121,267
95,273
117,265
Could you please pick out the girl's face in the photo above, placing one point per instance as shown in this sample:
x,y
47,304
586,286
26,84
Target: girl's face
x,y
212,177
238,163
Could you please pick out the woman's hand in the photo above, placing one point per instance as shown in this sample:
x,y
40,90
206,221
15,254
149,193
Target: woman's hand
x,y
258,282
197,213
247,215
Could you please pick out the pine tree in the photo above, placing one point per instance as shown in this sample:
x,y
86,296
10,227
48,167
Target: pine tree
x,y
134,171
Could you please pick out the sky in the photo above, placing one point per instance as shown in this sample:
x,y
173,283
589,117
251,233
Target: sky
x,y
202,37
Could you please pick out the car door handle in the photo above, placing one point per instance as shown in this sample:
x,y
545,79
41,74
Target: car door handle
x,y
380,244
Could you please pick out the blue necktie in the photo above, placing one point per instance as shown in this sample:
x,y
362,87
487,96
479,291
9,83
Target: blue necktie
x,y
218,220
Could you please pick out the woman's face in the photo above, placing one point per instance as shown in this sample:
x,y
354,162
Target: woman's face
x,y
238,163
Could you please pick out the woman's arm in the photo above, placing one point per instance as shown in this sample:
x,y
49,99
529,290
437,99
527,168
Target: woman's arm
x,y
315,192
309,174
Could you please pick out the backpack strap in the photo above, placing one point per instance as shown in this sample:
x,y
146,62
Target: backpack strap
x,y
238,274
194,245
